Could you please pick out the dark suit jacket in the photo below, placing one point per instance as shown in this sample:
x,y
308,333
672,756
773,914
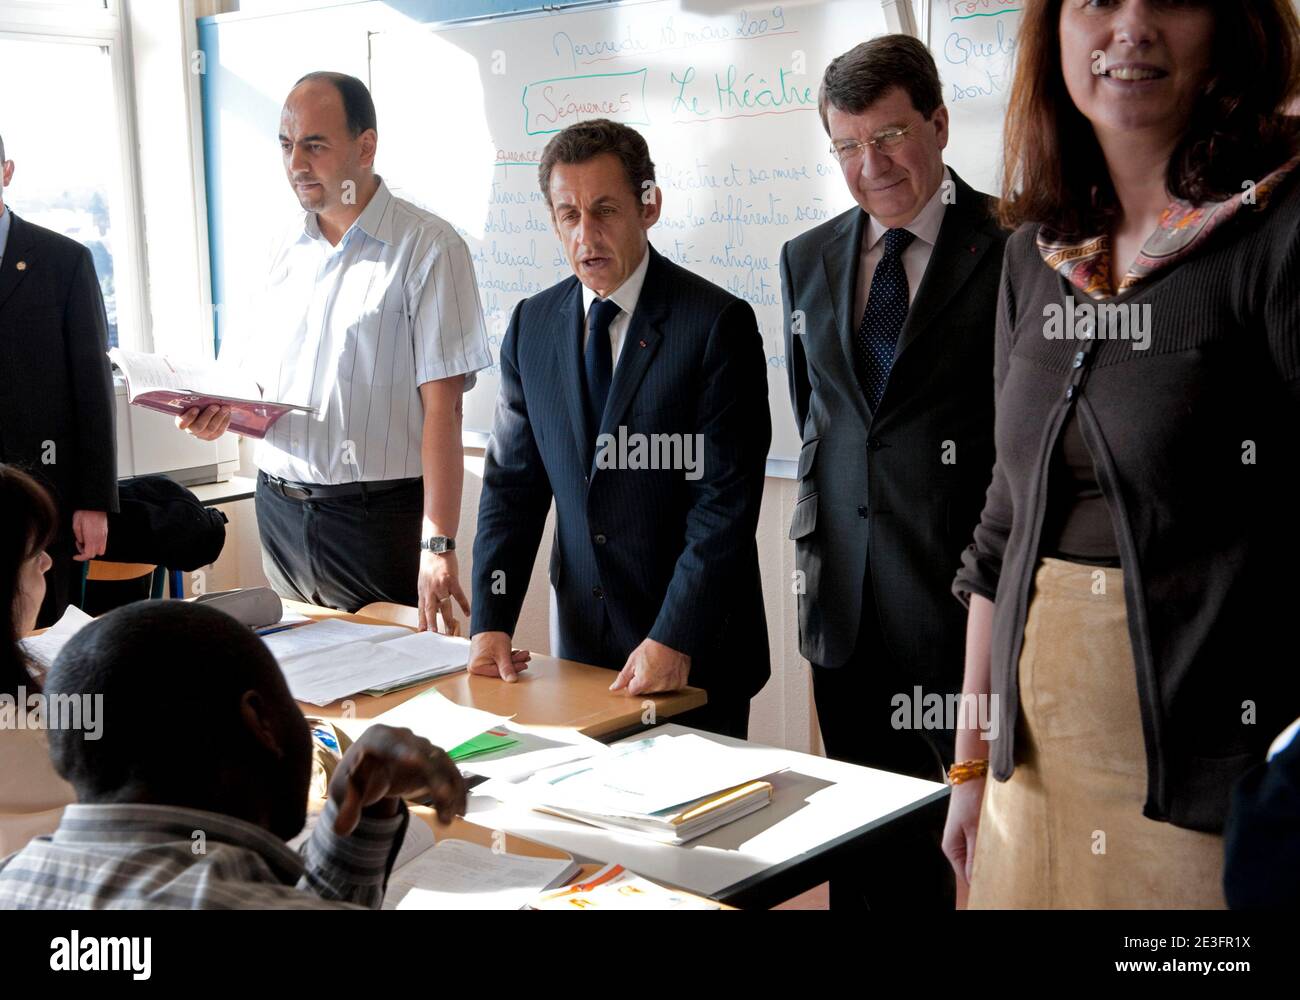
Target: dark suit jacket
x,y
56,388
638,552
1262,836
902,487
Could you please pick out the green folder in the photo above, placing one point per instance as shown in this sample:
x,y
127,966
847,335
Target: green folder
x,y
481,744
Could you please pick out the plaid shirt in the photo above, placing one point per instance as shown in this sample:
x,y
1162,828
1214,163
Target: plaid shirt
x,y
135,856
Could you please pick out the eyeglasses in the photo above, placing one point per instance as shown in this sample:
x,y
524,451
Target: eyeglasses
x,y
887,141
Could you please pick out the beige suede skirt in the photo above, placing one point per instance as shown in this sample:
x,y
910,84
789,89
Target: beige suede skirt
x,y
1067,830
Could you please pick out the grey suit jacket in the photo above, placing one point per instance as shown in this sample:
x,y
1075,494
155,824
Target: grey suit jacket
x,y
892,495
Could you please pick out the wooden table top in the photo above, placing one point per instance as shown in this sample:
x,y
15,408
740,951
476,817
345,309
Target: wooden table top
x,y
551,692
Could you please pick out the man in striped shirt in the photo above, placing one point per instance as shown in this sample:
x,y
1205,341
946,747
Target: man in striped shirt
x,y
371,317
199,773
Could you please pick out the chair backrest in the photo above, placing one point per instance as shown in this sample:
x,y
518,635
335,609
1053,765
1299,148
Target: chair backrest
x,y
396,614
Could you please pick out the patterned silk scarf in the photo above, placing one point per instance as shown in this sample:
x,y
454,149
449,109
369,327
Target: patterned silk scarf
x,y
1183,228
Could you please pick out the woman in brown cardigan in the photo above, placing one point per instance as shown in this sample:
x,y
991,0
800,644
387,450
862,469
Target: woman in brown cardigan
x,y
1132,581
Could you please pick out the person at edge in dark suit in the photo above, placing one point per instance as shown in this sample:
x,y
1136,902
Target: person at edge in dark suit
x,y
56,389
889,316
635,394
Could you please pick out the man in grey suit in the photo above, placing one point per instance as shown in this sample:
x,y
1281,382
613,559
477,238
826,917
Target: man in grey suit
x,y
889,313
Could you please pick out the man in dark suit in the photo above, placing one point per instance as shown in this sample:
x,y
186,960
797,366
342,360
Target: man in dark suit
x,y
56,390
635,393
889,343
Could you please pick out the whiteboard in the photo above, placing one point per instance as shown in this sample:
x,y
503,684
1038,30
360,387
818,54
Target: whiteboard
x,y
727,100
974,45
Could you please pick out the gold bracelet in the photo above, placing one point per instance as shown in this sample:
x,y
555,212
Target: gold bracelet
x,y
966,770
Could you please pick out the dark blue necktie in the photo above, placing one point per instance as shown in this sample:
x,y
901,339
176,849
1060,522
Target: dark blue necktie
x,y
598,363
882,320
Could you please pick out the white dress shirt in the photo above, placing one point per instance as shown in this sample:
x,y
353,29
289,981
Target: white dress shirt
x,y
625,297
916,258
352,331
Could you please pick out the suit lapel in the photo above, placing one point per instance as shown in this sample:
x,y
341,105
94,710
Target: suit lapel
x,y
18,251
840,258
566,332
960,246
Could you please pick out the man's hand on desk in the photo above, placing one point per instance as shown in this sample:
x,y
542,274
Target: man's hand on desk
x,y
206,425
653,667
490,655
387,765
439,583
90,529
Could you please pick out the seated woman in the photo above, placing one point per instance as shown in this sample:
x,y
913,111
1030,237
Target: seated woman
x,y
1131,585
32,795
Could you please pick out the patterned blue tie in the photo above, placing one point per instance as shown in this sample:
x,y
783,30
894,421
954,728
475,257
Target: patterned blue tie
x,y
883,319
598,363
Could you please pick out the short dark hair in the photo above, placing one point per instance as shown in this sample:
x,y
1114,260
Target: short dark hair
x,y
172,675
28,522
863,75
586,140
358,105
2,149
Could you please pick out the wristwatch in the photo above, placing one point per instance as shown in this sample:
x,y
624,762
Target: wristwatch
x,y
438,543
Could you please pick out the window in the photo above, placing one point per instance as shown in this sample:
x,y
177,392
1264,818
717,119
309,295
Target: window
x,y
65,124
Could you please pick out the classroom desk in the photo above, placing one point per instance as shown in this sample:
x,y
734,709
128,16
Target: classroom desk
x,y
822,811
551,692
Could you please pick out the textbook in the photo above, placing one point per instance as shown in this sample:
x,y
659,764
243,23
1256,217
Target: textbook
x,y
158,382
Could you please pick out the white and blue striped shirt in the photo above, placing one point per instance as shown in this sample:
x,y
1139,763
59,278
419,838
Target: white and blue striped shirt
x,y
352,331
153,857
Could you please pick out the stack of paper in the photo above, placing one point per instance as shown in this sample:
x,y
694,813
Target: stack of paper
x,y
459,875
669,788
331,659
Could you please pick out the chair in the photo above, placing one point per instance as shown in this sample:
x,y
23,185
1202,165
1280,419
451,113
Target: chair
x,y
120,583
393,614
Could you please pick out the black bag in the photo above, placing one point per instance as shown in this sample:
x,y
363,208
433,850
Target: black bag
x,y
163,523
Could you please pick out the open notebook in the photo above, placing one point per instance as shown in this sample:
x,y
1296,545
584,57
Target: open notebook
x,y
169,385
331,659
457,873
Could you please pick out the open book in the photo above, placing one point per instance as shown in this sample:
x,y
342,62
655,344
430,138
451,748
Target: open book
x,y
160,383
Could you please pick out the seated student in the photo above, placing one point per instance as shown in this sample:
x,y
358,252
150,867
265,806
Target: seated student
x,y
200,774
32,795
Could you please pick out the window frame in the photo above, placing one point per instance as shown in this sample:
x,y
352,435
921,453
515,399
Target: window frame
x,y
50,21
